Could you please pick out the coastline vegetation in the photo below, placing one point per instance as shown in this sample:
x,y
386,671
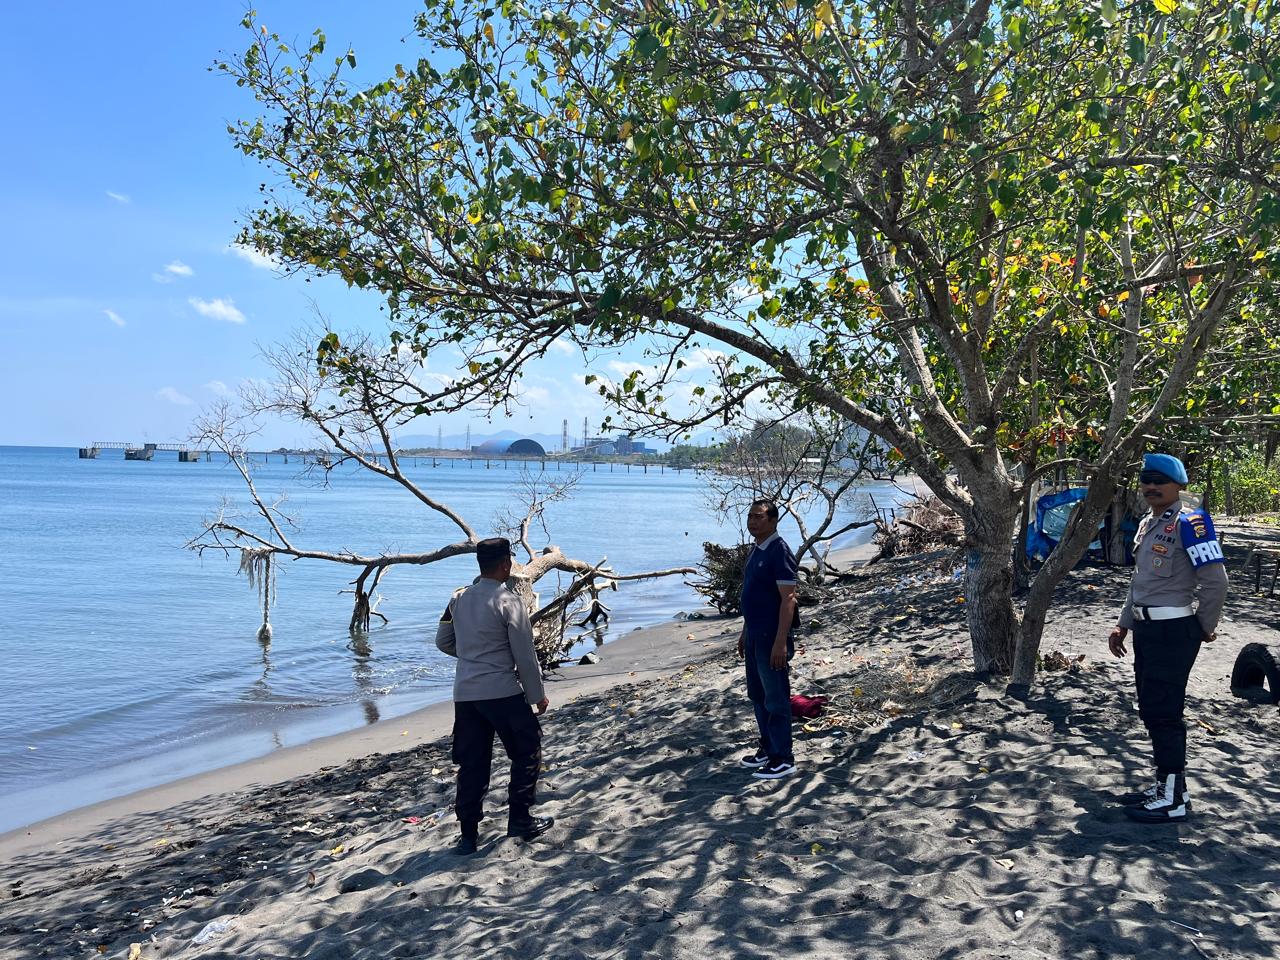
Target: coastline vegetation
x,y
1008,238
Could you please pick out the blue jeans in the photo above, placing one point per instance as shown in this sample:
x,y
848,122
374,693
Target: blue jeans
x,y
770,693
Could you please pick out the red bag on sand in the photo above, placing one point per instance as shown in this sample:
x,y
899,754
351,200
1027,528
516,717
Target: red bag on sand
x,y
807,707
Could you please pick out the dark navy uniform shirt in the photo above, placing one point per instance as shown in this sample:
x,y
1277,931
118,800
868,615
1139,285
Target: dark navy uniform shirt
x,y
769,565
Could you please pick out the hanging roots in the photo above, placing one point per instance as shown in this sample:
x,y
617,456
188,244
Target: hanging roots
x,y
255,564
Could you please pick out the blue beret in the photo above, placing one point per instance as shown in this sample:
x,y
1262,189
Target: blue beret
x,y
1169,465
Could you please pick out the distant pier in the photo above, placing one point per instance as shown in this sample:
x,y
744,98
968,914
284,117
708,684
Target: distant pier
x,y
452,459
139,451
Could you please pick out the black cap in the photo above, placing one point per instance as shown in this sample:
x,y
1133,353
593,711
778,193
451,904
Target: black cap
x,y
495,548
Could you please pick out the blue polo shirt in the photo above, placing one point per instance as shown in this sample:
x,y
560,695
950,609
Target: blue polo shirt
x,y
769,565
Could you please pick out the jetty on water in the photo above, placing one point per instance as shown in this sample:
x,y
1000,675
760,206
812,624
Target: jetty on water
x,y
438,458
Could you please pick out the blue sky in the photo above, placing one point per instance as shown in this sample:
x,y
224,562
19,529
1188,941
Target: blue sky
x,y
123,308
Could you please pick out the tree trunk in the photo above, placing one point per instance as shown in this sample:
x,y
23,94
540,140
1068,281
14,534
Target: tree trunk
x,y
988,590
1115,540
1026,509
1080,531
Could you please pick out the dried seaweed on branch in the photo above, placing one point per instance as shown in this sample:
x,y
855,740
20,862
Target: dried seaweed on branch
x,y
255,564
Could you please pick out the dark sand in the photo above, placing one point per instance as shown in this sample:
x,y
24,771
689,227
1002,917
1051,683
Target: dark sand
x,y
954,822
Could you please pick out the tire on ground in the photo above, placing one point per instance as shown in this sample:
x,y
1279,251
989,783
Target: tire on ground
x,y
1256,674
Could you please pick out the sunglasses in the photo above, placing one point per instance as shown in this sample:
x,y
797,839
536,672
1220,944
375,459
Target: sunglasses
x,y
1154,477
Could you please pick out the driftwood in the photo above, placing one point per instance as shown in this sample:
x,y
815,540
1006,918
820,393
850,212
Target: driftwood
x,y
357,423
927,524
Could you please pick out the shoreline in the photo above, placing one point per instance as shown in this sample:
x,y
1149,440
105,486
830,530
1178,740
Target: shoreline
x,y
643,653
931,815
645,648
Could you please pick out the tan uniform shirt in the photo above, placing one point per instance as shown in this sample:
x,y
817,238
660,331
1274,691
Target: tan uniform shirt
x,y
487,628
1174,553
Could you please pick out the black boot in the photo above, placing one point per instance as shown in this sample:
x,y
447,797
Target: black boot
x,y
529,829
1169,805
466,843
1136,798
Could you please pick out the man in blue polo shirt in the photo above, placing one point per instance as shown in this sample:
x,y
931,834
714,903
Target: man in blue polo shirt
x,y
766,644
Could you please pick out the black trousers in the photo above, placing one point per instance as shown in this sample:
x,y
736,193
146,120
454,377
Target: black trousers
x,y
474,724
1163,654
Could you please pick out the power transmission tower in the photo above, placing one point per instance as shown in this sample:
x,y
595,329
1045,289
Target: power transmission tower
x,y
564,437
439,437
468,438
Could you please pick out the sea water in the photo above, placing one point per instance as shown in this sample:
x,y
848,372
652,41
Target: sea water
x,y
130,660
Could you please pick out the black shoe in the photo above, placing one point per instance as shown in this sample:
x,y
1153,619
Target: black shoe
x,y
465,846
755,759
1137,798
531,830
1169,805
775,771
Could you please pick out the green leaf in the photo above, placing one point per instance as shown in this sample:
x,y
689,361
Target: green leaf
x,y
646,43
1109,12
607,300
1017,33
730,102
1166,6
1136,47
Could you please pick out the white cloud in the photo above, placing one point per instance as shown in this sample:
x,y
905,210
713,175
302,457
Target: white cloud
x,y
114,317
119,197
218,387
702,358
563,346
744,295
624,369
254,257
175,269
174,397
217,309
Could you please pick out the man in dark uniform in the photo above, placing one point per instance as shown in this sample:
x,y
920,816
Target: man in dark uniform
x,y
1175,552
766,643
486,626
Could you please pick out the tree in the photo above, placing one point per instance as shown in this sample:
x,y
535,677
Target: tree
x,y
809,471
355,405
973,228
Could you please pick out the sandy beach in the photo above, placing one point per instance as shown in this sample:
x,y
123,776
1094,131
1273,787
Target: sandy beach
x,y
949,821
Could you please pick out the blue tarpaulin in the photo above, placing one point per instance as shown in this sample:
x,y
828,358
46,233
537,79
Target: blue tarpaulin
x,y
1053,510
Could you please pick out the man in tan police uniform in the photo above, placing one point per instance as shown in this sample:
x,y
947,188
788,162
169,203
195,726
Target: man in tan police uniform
x,y
1176,552
496,690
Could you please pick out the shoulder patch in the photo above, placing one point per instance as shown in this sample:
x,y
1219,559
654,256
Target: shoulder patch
x,y
1199,539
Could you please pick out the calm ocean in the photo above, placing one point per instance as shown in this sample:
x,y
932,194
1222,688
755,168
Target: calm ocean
x,y
130,661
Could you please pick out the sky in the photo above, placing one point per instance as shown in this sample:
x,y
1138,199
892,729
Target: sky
x,y
123,305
